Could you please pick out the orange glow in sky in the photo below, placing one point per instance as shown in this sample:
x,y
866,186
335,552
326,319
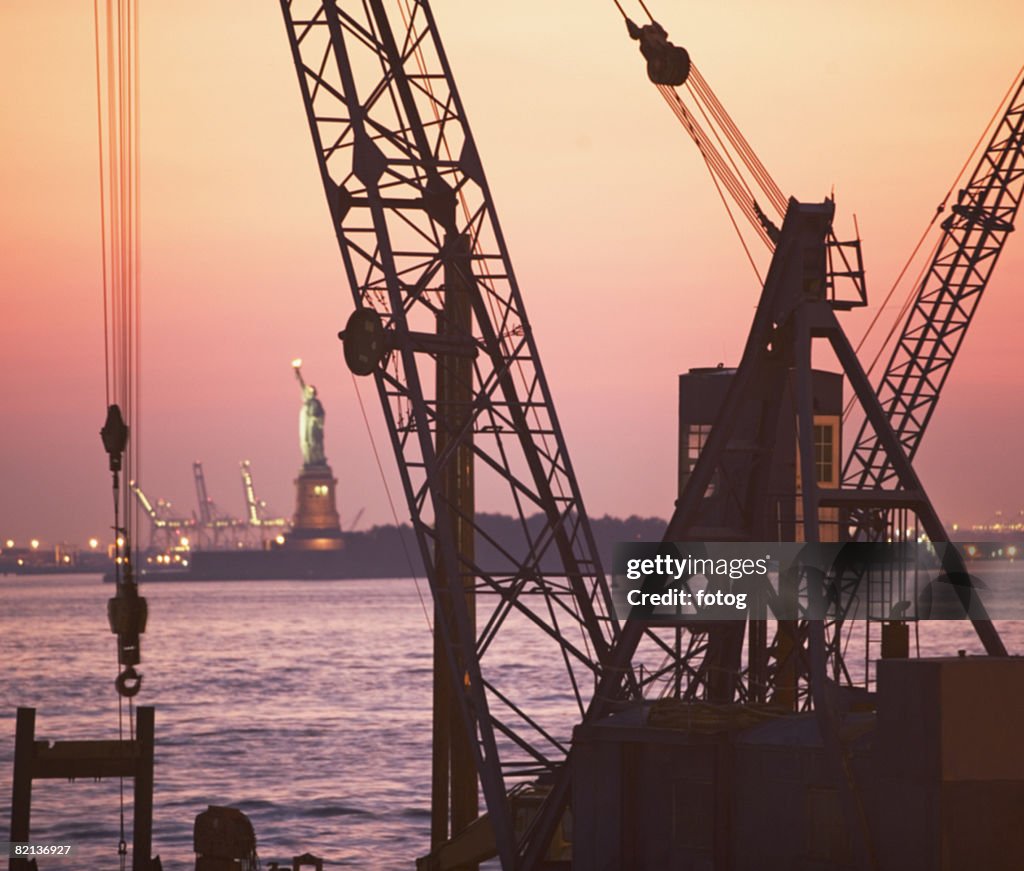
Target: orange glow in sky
x,y
630,270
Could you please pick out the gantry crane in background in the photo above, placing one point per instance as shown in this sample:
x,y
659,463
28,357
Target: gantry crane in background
x,y
215,528
257,520
207,510
165,529
210,528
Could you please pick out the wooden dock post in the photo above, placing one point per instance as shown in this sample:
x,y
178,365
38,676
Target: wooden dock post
x,y
38,760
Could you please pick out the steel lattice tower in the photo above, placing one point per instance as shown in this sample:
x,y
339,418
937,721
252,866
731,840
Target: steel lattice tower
x,y
460,380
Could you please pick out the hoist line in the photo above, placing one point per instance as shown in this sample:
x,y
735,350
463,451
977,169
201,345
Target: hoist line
x,y
749,201
711,155
120,220
625,17
738,187
757,169
103,210
122,844
713,158
720,175
136,105
117,83
709,120
724,168
736,226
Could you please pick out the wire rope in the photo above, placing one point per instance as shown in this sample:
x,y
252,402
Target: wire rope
x,y
117,82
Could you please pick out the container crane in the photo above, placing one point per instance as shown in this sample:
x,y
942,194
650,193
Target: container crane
x,y
206,507
256,509
211,523
165,530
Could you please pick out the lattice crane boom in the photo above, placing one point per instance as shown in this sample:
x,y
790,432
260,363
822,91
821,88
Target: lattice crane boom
x,y
441,326
973,237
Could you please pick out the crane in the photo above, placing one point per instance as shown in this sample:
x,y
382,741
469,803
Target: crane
x,y
440,325
256,509
207,510
973,237
211,523
165,530
940,314
760,500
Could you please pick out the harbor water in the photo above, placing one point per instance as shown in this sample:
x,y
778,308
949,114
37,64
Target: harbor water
x,y
305,704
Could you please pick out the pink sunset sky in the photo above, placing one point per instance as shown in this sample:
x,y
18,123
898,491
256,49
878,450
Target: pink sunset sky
x,y
630,270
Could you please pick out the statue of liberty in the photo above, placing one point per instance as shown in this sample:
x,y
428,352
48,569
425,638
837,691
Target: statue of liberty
x,y
311,422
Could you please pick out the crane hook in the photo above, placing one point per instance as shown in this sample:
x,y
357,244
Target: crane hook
x,y
127,613
128,682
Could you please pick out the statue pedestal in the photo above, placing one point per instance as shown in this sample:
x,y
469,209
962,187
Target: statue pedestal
x,y
316,524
